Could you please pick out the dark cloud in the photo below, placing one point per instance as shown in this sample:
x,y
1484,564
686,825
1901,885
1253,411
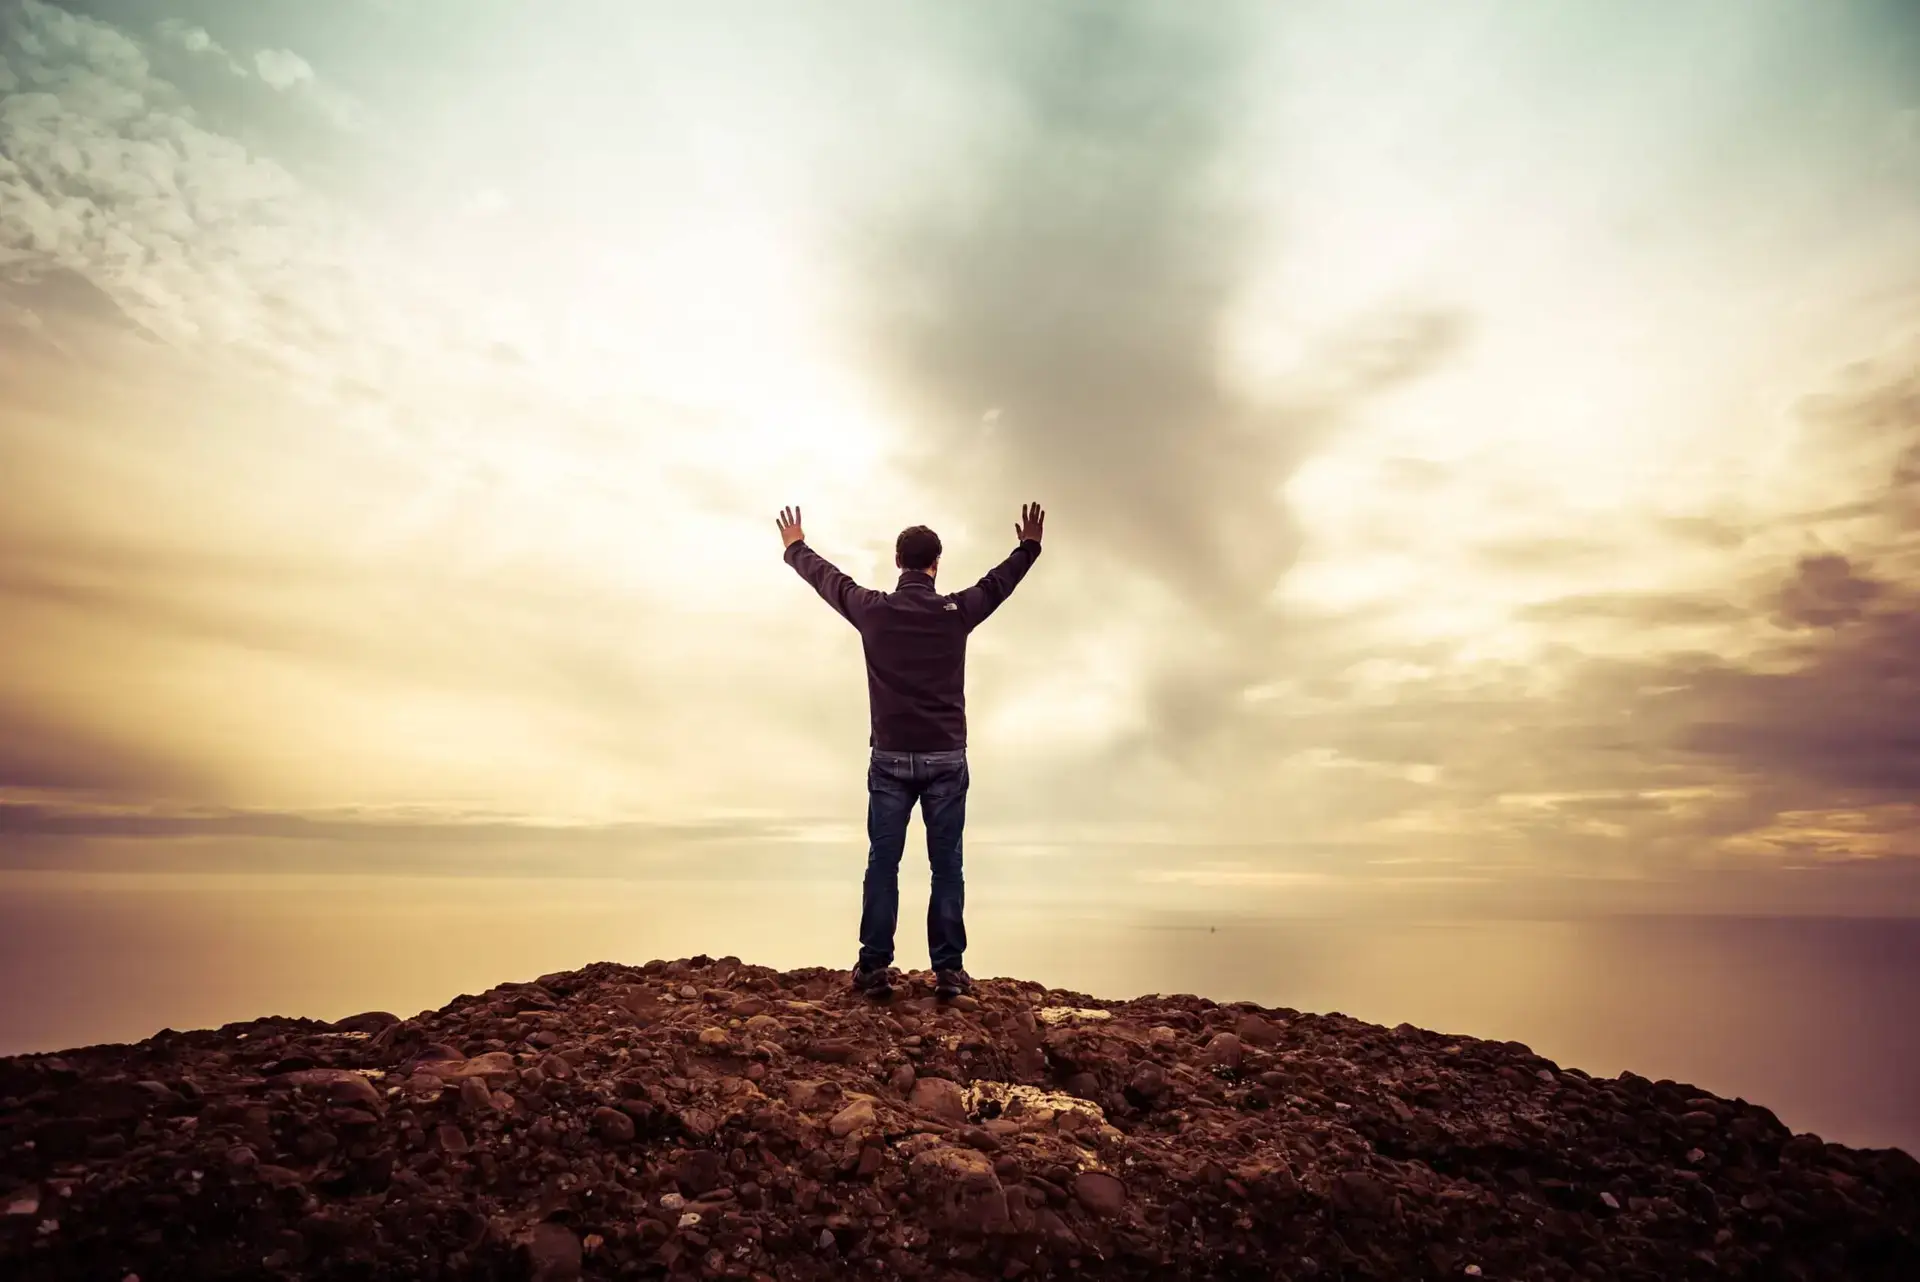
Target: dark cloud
x,y
1052,323
1077,294
410,843
1825,591
42,820
1842,726
45,751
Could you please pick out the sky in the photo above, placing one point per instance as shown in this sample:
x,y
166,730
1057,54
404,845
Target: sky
x,y
1481,442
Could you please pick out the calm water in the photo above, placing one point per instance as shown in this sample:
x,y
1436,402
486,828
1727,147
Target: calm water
x,y
1818,1019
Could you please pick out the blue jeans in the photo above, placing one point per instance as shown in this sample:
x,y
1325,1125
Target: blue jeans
x,y
895,780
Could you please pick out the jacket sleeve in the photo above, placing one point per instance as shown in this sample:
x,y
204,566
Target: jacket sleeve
x,y
834,587
984,597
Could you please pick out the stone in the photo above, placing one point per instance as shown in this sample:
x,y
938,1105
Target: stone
x,y
1360,1191
1223,1050
978,1137
613,1125
960,1189
714,1037
278,1177
901,1079
1149,1081
699,1171
355,1089
857,1116
451,1137
938,1097
372,1021
1100,1193
553,1253
1258,1030
811,1095
474,1095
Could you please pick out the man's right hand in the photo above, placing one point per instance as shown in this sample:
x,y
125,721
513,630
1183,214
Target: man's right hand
x,y
789,523
1032,520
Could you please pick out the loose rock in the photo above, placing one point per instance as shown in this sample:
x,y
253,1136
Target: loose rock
x,y
1023,1134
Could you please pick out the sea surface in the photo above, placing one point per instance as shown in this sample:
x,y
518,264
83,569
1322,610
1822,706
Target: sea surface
x,y
1815,1018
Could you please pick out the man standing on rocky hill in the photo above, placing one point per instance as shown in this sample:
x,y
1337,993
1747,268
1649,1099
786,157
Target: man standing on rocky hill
x,y
915,640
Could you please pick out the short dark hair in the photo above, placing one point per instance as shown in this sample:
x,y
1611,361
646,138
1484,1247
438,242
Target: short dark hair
x,y
917,548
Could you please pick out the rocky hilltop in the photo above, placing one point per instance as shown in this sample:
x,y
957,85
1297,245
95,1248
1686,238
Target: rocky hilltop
x,y
711,1119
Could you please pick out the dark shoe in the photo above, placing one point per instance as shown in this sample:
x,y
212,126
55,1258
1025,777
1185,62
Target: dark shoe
x,y
948,984
875,982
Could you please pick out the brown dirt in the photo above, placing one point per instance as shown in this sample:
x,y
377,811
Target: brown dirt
x,y
706,1118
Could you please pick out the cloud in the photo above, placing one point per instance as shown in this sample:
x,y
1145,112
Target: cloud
x,y
27,819
1837,728
49,750
282,68
1657,609
189,37
107,175
1824,591
1069,278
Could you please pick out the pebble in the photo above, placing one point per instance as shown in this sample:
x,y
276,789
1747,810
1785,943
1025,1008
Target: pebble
x,y
857,1116
1223,1051
554,1252
940,1098
613,1124
1099,1192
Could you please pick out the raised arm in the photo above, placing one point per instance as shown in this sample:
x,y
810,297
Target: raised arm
x,y
984,597
834,587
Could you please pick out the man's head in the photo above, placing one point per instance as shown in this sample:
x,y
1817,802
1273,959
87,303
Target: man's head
x,y
917,548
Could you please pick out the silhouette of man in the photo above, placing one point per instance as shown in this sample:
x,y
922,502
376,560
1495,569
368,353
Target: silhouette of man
x,y
915,640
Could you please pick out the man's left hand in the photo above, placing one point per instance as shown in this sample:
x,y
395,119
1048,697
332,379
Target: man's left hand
x,y
789,523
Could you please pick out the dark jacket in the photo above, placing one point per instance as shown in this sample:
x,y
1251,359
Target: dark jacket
x,y
916,644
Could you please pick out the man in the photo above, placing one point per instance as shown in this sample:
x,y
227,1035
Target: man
x,y
915,640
